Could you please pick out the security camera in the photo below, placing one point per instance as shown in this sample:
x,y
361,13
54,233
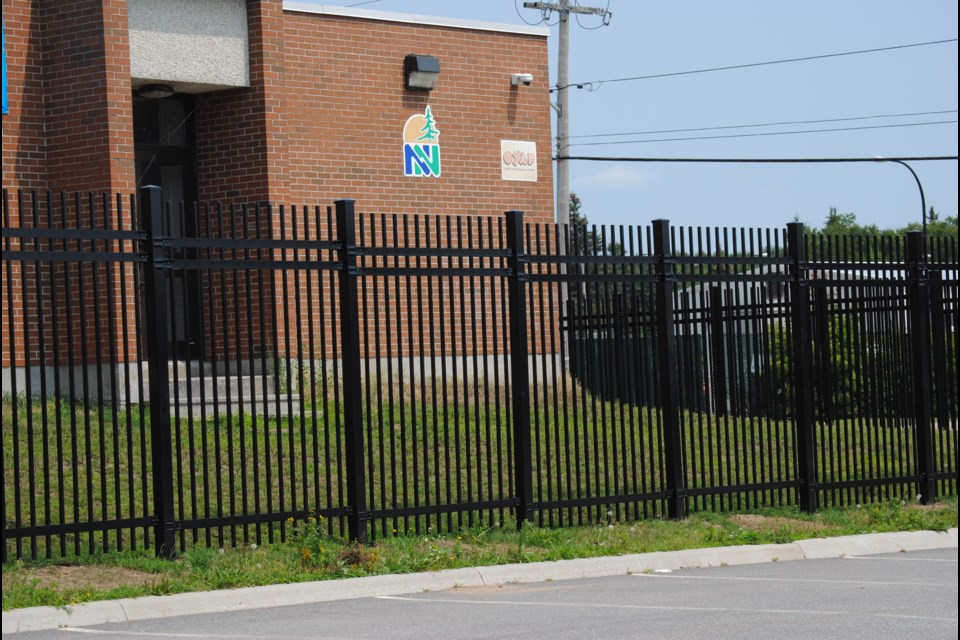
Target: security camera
x,y
525,79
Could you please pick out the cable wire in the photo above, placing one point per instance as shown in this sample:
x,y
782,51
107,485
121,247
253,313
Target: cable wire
x,y
768,133
759,64
524,20
764,124
760,160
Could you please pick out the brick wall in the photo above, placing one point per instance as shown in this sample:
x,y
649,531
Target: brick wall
x,y
24,145
70,128
70,125
345,107
240,141
87,96
322,120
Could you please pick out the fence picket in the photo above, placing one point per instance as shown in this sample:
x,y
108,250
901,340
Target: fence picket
x,y
375,373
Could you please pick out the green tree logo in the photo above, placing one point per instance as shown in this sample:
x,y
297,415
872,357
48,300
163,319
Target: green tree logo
x,y
429,129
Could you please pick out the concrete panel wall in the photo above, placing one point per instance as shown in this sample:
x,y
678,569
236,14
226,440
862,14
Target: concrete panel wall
x,y
195,45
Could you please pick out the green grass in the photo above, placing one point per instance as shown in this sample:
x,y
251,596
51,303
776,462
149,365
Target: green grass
x,y
311,554
423,445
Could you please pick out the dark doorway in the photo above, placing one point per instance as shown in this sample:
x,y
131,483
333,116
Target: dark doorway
x,y
166,157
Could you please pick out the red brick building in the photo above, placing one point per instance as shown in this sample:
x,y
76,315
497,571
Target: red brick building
x,y
321,115
286,102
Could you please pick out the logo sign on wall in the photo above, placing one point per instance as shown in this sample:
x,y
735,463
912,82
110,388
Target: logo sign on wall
x,y
518,160
421,146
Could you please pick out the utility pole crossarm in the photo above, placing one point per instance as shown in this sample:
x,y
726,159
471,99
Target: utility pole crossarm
x,y
562,6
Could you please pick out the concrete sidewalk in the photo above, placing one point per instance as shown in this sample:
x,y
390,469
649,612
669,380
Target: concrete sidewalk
x,y
40,618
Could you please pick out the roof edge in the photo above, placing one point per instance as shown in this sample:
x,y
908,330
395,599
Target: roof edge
x,y
410,18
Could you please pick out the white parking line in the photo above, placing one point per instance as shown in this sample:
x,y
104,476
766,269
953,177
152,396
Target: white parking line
x,y
907,559
173,634
567,605
660,576
155,634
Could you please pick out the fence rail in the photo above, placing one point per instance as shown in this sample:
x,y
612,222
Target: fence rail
x,y
395,373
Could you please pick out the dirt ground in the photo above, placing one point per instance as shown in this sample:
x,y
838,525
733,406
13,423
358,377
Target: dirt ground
x,y
756,523
86,578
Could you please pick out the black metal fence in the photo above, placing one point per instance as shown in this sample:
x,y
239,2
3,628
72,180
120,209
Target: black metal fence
x,y
387,374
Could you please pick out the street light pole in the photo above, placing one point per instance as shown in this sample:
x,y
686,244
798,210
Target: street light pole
x,y
923,200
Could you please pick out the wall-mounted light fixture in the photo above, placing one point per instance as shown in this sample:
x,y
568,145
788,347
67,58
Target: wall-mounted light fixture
x,y
155,91
525,79
421,72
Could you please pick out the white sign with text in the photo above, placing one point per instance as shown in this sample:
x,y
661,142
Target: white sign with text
x,y
518,160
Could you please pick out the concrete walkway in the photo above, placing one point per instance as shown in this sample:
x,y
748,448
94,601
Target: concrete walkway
x,y
149,607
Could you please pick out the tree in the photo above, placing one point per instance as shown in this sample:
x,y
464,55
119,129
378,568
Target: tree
x,y
846,224
576,217
582,240
937,226
837,223
842,232
807,229
588,241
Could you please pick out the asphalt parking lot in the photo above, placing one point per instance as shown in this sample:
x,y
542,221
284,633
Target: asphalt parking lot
x,y
896,595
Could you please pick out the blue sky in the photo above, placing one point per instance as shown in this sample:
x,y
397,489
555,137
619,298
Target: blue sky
x,y
646,38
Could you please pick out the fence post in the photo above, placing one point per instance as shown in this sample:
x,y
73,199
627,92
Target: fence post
x,y
919,300
938,335
669,396
358,515
802,366
157,321
519,374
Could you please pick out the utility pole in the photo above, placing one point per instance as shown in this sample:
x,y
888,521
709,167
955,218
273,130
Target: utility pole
x,y
564,8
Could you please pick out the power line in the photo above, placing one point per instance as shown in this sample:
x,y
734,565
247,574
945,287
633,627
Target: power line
x,y
901,160
762,160
764,124
581,85
768,133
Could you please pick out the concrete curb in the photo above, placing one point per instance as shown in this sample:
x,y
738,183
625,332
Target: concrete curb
x,y
145,608
872,543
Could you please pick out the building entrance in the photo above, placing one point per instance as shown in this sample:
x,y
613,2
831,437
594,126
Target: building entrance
x,y
166,157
